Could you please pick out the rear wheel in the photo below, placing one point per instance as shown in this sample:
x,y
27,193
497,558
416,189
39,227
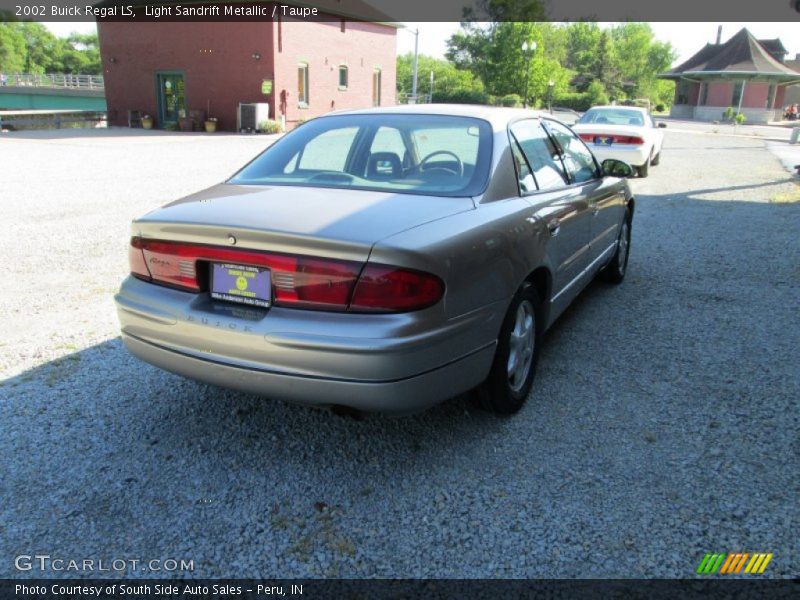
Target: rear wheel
x,y
656,159
644,170
514,366
615,270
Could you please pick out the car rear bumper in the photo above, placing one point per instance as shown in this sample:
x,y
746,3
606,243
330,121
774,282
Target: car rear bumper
x,y
401,396
633,155
388,363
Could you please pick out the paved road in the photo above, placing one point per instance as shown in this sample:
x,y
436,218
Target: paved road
x,y
663,423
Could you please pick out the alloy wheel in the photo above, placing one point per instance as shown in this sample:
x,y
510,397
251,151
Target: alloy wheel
x,y
521,346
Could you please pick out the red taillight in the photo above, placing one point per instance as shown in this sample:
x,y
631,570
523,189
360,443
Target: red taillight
x,y
616,139
136,259
313,282
297,281
173,264
390,289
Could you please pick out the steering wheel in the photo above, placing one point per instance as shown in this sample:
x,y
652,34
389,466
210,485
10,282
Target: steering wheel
x,y
459,173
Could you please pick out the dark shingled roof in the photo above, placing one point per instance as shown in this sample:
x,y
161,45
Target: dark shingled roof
x,y
774,47
740,55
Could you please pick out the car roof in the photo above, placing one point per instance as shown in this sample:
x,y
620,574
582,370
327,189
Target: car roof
x,y
621,107
499,117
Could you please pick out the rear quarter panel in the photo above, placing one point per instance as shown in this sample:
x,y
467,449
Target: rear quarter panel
x,y
483,256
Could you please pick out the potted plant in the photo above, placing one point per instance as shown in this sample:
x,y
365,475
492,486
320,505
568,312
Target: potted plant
x,y
147,122
211,122
184,122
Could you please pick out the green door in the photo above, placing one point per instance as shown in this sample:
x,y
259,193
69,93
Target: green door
x,y
171,97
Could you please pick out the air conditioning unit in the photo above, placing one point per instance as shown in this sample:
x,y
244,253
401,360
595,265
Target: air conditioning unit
x,y
250,115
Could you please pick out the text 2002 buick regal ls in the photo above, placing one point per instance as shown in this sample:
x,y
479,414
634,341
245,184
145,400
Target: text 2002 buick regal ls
x,y
380,260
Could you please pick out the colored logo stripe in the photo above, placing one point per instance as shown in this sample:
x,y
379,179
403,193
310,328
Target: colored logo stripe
x,y
733,563
758,563
710,563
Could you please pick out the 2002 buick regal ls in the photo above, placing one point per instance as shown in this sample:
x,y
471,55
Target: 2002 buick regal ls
x,y
380,260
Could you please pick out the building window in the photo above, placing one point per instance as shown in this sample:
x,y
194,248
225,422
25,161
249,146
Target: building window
x,y
736,98
703,93
302,84
343,77
682,93
771,96
376,87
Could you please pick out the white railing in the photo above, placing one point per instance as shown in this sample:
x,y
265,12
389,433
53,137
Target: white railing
x,y
53,80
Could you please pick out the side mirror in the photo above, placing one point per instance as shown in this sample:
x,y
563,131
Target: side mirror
x,y
616,168
662,125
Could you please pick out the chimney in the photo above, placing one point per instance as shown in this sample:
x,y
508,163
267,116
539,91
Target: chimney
x,y
719,35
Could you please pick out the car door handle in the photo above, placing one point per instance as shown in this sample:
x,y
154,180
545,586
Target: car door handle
x,y
554,226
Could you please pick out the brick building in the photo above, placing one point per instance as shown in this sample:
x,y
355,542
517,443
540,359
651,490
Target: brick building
x,y
302,69
744,73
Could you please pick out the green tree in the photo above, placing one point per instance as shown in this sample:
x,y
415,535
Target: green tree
x,y
605,68
582,41
596,94
639,58
28,47
12,49
447,78
78,53
506,10
43,50
494,54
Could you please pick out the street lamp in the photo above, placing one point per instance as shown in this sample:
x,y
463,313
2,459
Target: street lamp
x,y
416,65
550,85
528,50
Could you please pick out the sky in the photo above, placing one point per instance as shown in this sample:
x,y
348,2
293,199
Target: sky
x,y
686,38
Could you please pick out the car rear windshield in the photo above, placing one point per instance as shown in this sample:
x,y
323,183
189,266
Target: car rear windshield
x,y
416,154
612,116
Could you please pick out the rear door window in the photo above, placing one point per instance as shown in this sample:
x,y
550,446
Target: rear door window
x,y
524,174
578,160
541,154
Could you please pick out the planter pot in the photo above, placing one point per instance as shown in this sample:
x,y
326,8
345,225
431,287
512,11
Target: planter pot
x,y
211,126
147,123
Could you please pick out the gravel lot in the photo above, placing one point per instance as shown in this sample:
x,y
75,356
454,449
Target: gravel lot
x,y
664,422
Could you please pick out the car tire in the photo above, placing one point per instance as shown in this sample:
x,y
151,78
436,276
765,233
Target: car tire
x,y
644,170
511,378
656,159
614,271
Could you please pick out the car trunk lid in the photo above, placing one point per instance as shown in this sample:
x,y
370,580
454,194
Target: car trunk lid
x,y
326,222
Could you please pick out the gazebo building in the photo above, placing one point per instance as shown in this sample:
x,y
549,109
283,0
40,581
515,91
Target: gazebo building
x,y
744,73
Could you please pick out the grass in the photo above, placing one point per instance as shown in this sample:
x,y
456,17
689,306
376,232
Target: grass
x,y
787,197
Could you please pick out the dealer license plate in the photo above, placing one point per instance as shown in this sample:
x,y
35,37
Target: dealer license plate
x,y
242,284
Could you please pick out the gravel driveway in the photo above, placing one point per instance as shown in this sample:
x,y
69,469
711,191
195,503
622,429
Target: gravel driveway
x,y
664,422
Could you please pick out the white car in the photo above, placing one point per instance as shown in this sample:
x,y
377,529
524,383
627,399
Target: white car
x,y
626,133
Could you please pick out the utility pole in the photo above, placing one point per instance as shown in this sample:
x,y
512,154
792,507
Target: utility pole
x,y
416,65
431,92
